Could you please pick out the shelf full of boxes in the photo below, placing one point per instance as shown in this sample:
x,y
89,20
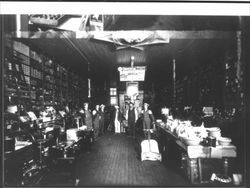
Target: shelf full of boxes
x,y
37,80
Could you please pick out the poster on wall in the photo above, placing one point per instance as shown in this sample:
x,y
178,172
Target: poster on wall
x,y
132,73
132,89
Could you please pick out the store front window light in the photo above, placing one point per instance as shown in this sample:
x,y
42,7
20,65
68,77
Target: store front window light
x,y
113,91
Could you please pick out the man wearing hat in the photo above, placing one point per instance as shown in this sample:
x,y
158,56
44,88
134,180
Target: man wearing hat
x,y
131,117
88,122
102,118
87,116
96,120
117,118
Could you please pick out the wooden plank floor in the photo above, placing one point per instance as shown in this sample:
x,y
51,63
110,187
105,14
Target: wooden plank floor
x,y
115,161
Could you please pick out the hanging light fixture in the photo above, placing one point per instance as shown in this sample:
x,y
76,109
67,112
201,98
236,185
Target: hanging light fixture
x,y
132,61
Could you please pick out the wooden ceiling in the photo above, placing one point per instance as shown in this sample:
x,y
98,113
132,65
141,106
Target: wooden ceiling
x,y
102,56
151,22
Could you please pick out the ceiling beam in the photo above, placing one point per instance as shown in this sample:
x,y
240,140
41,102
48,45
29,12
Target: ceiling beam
x,y
205,34
171,34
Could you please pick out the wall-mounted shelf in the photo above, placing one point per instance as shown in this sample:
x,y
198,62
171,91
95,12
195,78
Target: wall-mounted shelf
x,y
32,75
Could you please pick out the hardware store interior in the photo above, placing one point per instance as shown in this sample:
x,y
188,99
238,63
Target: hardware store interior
x,y
124,100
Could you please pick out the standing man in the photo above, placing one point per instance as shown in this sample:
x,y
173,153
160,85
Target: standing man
x,y
102,118
131,117
147,118
87,120
117,118
87,116
96,121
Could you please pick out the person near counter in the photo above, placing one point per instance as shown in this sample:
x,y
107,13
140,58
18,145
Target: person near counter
x,y
96,121
108,118
87,118
102,118
164,114
131,117
147,118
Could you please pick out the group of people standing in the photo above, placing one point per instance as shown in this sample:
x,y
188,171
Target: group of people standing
x,y
132,117
103,118
95,119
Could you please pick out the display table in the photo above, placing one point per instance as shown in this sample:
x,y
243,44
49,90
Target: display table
x,y
208,151
199,162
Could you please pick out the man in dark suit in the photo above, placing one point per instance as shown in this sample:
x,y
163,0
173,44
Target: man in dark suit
x,y
131,116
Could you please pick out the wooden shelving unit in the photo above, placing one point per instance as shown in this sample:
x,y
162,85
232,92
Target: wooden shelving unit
x,y
36,80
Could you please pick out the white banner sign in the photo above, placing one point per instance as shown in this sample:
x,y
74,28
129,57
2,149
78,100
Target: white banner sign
x,y
132,73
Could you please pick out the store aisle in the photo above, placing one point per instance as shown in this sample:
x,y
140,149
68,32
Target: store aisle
x,y
115,161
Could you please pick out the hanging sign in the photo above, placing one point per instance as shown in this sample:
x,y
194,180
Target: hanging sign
x,y
132,39
132,73
96,22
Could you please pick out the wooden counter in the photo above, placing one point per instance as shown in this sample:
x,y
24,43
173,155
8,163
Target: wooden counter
x,y
20,146
200,151
197,163
208,151
14,163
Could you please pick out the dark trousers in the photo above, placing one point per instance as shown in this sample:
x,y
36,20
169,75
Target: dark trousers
x,y
101,127
106,124
131,128
88,140
96,132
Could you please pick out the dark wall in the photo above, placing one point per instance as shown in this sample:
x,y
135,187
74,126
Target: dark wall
x,y
156,22
9,23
